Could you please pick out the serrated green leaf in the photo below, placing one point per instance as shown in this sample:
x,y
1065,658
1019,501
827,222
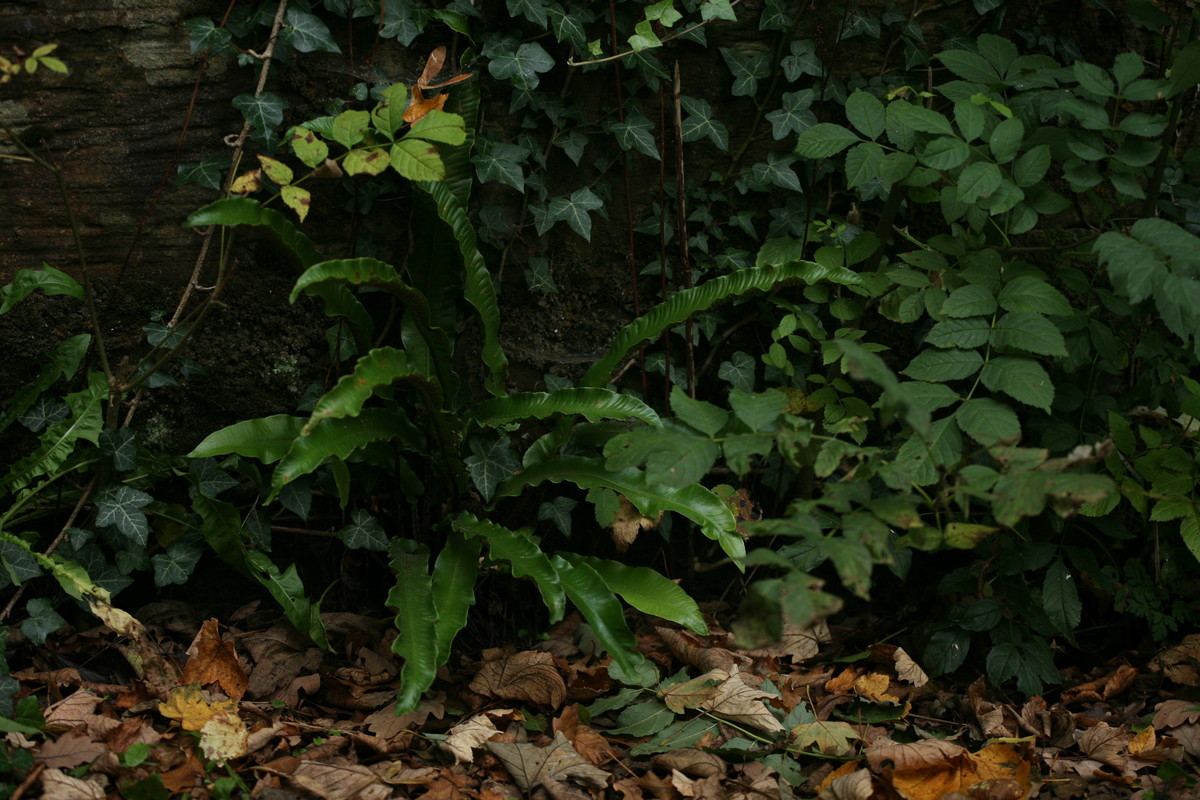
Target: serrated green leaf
x,y
1060,598
1032,333
1006,139
1093,79
866,113
439,126
919,118
944,365
1027,293
987,421
1022,379
703,416
417,160
972,300
1031,166
978,180
825,139
967,333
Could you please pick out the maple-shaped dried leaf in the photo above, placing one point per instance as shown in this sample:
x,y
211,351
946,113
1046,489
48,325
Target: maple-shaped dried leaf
x,y
532,766
334,781
1106,744
737,702
211,660
186,776
914,755
224,736
800,642
68,751
466,736
855,785
1170,713
528,676
1179,663
187,704
828,738
693,693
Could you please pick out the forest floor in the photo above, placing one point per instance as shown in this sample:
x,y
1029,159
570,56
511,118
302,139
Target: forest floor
x,y
246,707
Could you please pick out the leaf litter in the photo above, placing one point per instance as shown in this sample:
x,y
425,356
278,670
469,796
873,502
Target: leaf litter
x,y
249,708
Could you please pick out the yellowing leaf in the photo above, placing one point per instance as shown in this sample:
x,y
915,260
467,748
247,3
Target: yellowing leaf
x,y
829,738
187,705
308,148
248,183
297,200
276,170
417,160
368,161
691,694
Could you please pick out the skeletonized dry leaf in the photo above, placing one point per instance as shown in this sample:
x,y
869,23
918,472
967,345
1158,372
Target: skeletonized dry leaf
x,y
532,766
211,660
337,781
737,702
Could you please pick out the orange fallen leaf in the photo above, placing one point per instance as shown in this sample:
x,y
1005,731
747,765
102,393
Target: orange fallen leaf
x,y
211,660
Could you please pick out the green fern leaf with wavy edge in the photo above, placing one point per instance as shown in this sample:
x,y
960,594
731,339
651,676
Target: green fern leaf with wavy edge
x,y
591,403
691,301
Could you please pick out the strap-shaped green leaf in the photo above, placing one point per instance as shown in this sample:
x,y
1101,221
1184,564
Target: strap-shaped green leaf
x,y
524,556
383,366
381,275
690,301
341,437
603,611
479,289
339,301
591,403
288,591
647,591
416,619
58,441
694,502
266,439
454,576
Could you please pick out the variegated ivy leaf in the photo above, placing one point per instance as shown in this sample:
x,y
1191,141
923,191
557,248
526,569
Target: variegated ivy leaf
x,y
121,508
43,620
264,112
802,60
493,461
567,25
364,532
403,22
795,116
45,411
532,10
121,446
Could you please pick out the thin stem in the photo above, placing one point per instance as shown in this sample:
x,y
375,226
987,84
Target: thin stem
x,y
627,53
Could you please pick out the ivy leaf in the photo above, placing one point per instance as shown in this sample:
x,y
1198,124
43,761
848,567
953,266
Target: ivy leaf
x,y
739,371
177,563
777,171
699,124
644,37
296,496
121,445
493,461
500,161
210,479
521,65
802,60
17,564
403,22
120,508
204,34
532,10
747,69
364,532
264,113
574,210
43,620
568,25
1060,598
206,172
717,9
45,411
308,33
795,116
558,511
634,132
1022,379
572,142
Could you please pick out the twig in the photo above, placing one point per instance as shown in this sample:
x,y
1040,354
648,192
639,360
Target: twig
x,y
664,40
685,258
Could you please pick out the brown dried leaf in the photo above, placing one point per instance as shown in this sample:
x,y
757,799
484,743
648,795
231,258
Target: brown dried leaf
x,y
532,766
628,523
738,702
697,652
1104,688
211,660
528,676
1179,663
385,724
335,781
466,736
966,773
1105,744
800,642
280,656
68,751
856,785
1170,713
693,693
60,786
707,788
692,762
914,755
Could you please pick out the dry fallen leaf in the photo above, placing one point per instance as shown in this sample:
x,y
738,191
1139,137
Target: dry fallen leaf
x,y
466,736
628,523
692,762
1173,713
187,704
224,736
211,660
737,702
1104,688
856,785
1179,663
60,786
532,766
336,781
68,751
528,676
